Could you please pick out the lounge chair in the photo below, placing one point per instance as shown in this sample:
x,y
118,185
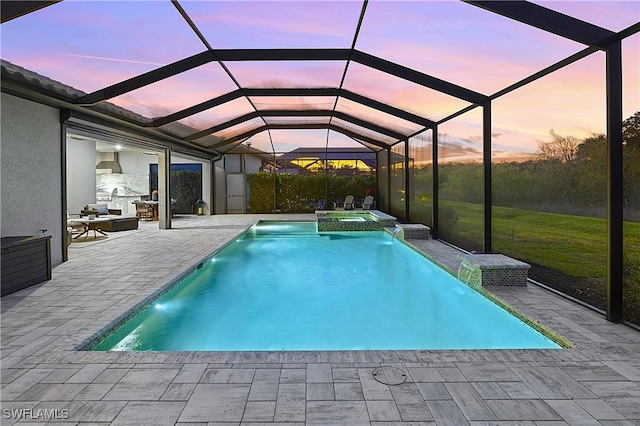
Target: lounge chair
x,y
367,203
143,210
348,202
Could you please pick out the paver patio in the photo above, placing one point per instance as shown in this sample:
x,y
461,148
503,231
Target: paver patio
x,y
596,382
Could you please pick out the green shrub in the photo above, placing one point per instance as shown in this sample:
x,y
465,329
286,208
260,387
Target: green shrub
x,y
293,193
261,192
631,288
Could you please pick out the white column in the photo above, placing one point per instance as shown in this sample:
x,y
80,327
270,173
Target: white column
x,y
164,196
207,187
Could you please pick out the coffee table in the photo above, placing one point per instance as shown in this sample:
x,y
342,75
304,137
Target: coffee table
x,y
91,225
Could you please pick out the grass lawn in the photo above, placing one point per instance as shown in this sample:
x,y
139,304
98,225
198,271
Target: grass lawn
x,y
574,245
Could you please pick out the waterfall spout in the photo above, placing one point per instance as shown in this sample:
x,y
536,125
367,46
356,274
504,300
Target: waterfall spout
x,y
464,272
394,232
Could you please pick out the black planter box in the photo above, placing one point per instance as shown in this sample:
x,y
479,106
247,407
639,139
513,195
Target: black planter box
x,y
25,261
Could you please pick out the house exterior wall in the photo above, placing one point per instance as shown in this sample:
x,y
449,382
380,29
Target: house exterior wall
x,y
207,182
252,164
220,188
31,172
81,174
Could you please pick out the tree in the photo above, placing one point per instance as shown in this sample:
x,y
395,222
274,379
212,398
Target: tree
x,y
591,172
593,148
563,148
631,131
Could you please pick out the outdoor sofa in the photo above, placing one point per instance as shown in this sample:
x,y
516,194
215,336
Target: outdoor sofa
x,y
117,222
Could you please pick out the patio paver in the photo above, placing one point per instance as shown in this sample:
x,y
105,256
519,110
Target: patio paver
x,y
596,382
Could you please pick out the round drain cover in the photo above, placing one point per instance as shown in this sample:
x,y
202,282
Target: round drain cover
x,y
391,376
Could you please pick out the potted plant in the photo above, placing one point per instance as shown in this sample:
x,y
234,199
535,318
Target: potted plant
x,y
154,195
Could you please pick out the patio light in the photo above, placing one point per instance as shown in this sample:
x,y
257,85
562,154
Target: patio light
x,y
200,204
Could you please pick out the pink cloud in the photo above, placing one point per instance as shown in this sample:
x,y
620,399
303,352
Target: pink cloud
x,y
613,15
276,24
98,34
401,93
182,90
378,117
460,43
571,101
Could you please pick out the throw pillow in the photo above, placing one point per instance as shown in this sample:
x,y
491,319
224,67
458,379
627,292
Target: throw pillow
x,y
102,210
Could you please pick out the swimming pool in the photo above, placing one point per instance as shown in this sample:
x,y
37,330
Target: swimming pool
x,y
284,286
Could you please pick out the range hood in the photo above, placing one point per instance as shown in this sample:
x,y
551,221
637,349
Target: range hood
x,y
108,163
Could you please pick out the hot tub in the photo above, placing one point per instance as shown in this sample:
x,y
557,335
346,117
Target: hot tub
x,y
353,220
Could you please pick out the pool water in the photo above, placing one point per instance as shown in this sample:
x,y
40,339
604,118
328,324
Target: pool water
x,y
284,286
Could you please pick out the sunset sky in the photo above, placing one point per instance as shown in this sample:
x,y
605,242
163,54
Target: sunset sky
x,y
93,44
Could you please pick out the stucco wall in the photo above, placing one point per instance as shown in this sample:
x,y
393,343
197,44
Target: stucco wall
x,y
81,174
252,164
220,188
31,171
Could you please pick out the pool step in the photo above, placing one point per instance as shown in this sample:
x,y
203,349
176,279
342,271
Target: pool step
x,y
415,231
494,269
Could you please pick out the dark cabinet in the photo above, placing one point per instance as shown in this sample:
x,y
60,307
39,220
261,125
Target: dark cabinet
x,y
25,261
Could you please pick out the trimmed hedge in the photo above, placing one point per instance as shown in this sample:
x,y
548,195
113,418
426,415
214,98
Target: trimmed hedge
x,y
186,188
291,193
